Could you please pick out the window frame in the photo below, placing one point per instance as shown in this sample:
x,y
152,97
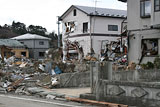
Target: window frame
x,y
74,12
41,42
22,53
109,26
144,52
41,54
156,6
85,30
144,11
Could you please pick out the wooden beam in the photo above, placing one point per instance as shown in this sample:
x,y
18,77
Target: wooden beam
x,y
92,102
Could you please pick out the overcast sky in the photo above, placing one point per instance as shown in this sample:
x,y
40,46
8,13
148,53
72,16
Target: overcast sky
x,y
45,12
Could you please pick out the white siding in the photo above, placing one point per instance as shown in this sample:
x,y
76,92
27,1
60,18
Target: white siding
x,y
80,18
101,25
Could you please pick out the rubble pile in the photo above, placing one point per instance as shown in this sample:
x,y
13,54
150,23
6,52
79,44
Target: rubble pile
x,y
30,77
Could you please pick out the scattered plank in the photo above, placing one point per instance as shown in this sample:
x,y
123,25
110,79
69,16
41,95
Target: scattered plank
x,y
92,102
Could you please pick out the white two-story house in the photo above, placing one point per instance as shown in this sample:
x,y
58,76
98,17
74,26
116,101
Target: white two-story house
x,y
143,17
91,26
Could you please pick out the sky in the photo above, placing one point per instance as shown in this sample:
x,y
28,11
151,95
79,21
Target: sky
x,y
45,12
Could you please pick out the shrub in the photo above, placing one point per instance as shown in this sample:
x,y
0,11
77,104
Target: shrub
x,y
157,62
150,65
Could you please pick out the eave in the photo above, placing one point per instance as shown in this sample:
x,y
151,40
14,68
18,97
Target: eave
x,y
123,0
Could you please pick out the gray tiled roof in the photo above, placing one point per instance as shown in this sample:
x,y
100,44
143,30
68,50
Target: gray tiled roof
x,y
10,43
30,36
102,11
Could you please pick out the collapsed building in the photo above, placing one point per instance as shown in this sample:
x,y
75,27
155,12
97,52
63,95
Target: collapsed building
x,y
9,47
90,29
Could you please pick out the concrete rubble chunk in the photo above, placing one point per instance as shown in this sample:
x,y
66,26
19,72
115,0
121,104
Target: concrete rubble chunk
x,y
3,90
50,97
34,90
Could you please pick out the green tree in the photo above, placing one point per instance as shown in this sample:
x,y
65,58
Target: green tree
x,y
19,28
39,30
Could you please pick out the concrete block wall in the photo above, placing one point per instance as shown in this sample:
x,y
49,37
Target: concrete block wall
x,y
77,79
137,75
134,88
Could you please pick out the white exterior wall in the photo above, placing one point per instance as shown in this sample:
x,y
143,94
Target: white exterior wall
x,y
133,16
101,25
136,22
155,16
80,18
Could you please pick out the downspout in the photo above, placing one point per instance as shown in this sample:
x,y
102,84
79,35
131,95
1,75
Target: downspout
x,y
90,33
34,49
121,33
128,43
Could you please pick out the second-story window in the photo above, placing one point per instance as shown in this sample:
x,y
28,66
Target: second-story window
x,y
85,27
145,6
112,27
41,43
74,12
157,5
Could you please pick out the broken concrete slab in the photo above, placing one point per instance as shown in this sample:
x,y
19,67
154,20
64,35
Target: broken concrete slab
x,y
22,90
34,90
3,90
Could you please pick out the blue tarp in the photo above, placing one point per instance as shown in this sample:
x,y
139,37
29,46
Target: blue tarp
x,y
57,70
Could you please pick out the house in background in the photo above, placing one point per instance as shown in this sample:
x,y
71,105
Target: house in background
x,y
36,44
9,47
91,26
143,17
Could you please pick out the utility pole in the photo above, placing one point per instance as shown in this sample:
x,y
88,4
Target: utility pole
x,y
94,18
58,22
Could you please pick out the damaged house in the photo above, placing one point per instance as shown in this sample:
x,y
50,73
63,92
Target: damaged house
x,y
143,17
88,28
36,44
9,47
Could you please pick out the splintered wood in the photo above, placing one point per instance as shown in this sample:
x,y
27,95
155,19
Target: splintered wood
x,y
99,103
15,84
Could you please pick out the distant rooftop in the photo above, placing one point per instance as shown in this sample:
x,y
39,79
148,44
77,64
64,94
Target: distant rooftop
x,y
10,43
100,11
30,36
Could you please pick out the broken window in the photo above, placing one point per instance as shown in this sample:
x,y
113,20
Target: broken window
x,y
149,47
41,54
112,27
70,27
41,43
85,27
23,53
157,5
145,6
74,12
